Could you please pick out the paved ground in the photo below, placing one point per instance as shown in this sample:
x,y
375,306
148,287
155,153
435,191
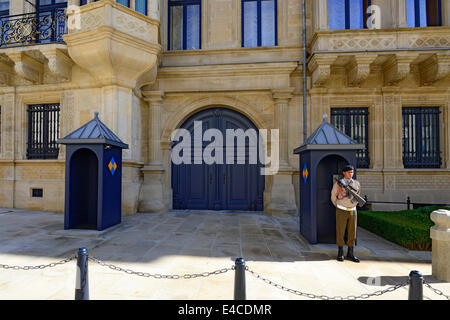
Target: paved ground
x,y
195,242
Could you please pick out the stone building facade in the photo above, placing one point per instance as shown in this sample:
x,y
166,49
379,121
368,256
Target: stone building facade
x,y
136,68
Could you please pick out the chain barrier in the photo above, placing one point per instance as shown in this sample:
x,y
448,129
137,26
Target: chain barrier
x,y
437,291
324,297
161,276
222,271
42,266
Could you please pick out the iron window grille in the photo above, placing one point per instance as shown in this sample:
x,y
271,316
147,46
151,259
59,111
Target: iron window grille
x,y
43,131
420,137
354,122
184,25
259,23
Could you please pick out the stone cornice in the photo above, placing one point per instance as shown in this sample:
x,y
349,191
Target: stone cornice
x,y
228,70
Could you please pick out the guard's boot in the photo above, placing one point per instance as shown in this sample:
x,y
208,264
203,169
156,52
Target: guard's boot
x,y
351,256
340,256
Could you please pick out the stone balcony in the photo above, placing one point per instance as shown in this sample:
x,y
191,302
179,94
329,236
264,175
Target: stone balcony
x,y
32,50
115,44
395,53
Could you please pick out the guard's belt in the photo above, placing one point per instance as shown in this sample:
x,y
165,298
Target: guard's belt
x,y
345,209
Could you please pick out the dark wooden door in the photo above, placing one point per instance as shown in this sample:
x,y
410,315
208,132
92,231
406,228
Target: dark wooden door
x,y
219,186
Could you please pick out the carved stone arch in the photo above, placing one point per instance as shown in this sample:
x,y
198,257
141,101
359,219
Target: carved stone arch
x,y
191,107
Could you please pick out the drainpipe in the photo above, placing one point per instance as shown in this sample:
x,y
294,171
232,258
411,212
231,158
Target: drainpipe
x,y
305,56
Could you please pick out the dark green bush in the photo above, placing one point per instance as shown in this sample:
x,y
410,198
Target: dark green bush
x,y
408,228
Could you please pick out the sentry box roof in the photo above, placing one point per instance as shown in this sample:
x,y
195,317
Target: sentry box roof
x,y
93,132
328,137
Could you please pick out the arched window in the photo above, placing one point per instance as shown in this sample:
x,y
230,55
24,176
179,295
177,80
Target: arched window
x,y
423,13
259,23
348,14
184,24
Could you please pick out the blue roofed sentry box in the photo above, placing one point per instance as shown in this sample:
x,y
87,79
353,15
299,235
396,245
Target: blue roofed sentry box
x,y
93,196
321,157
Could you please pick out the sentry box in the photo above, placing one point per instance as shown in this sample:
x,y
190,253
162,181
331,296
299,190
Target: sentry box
x,y
322,157
93,196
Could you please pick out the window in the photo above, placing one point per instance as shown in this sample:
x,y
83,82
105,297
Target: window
x,y
423,13
141,6
43,131
50,4
125,3
259,23
348,14
420,137
51,20
184,24
354,122
4,8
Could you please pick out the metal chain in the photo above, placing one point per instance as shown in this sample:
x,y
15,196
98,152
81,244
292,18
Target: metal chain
x,y
323,297
438,292
42,266
161,276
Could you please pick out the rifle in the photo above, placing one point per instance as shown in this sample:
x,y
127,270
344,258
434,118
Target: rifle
x,y
353,192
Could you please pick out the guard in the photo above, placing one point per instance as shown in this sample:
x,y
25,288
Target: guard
x,y
346,213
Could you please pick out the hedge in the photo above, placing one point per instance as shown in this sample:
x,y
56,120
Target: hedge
x,y
408,228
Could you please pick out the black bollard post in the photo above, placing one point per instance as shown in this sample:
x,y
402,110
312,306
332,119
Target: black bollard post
x,y
415,286
408,203
82,283
239,279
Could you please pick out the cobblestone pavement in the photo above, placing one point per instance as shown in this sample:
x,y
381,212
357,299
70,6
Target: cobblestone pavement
x,y
186,242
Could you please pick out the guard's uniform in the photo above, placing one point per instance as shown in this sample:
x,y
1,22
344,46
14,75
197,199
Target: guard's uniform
x,y
346,214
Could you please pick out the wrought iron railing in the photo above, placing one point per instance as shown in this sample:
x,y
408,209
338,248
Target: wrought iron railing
x,y
33,28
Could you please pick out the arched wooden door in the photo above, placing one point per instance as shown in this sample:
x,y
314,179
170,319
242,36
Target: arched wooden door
x,y
218,186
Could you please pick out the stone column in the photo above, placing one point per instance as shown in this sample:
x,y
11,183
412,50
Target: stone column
x,y
401,10
281,98
392,117
440,235
282,195
376,126
152,198
321,15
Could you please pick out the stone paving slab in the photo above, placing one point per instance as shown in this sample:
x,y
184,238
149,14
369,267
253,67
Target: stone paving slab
x,y
185,242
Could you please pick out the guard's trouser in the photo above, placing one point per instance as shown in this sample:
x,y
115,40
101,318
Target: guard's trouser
x,y
345,220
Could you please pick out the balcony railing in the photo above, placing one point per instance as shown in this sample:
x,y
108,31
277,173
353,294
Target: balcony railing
x,y
33,28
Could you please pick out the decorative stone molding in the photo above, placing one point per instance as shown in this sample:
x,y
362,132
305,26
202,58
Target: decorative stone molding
x,y
359,68
398,67
320,68
382,39
27,67
440,235
59,64
435,68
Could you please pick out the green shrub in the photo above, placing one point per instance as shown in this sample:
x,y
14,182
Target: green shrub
x,y
408,228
